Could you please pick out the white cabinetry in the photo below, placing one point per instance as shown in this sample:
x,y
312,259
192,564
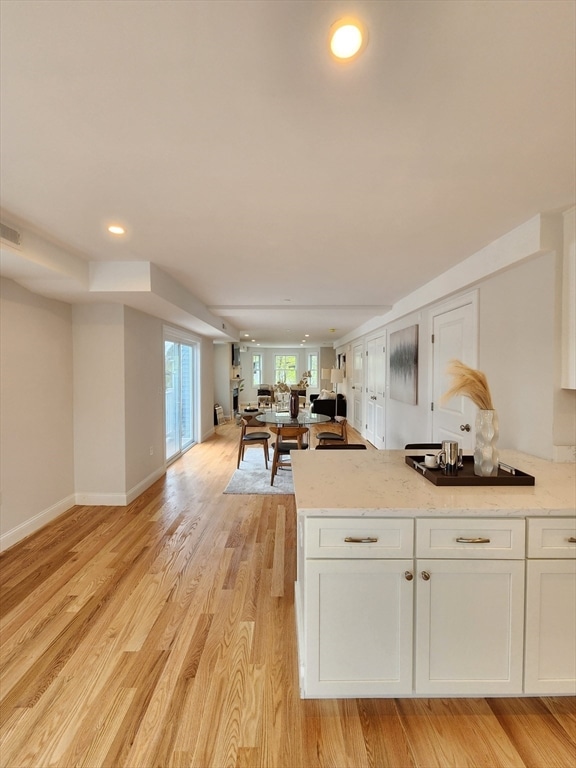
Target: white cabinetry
x,y
469,606
550,665
355,610
436,606
359,628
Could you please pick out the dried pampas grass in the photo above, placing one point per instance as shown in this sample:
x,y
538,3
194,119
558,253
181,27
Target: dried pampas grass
x,y
469,383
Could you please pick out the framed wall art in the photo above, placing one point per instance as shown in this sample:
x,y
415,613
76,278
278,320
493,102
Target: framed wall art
x,y
404,365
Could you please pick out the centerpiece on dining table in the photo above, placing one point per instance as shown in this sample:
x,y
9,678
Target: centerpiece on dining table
x,y
283,388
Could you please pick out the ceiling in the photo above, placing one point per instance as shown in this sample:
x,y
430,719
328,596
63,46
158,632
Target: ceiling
x,y
285,192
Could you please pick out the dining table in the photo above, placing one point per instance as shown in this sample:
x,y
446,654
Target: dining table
x,y
283,418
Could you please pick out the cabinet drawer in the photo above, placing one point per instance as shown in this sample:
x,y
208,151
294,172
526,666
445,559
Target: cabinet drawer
x,y
354,538
470,538
552,537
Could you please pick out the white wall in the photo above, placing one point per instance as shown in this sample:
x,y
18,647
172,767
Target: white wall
x,y
222,365
206,405
36,428
99,403
517,352
144,400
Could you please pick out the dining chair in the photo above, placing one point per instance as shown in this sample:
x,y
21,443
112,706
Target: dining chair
x,y
289,438
341,446
250,436
340,436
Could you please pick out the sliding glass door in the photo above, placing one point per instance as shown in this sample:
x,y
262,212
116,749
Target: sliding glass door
x,y
180,363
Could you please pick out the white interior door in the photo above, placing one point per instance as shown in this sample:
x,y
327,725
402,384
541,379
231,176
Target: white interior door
x,y
454,338
375,391
358,386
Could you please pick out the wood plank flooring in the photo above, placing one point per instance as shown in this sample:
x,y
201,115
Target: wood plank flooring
x,y
162,635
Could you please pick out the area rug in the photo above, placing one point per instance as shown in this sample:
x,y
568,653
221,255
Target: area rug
x,y
252,477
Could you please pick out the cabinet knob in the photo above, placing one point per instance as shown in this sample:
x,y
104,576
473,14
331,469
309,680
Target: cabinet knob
x,y
572,539
408,575
425,575
465,427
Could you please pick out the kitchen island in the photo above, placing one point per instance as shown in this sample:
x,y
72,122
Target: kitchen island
x,y
409,589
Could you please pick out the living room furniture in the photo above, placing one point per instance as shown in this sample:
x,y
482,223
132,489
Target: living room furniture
x,y
265,397
330,407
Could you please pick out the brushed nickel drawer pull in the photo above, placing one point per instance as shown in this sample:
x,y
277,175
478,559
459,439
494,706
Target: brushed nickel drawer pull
x,y
355,540
477,540
572,539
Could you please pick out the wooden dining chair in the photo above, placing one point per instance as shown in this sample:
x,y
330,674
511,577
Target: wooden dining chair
x,y
342,447
337,436
289,438
251,436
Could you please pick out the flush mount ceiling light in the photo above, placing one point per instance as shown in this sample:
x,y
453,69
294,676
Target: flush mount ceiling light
x,y
116,229
348,38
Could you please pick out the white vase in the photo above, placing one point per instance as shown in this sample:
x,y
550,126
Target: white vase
x,y
485,451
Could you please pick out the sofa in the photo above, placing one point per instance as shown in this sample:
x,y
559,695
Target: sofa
x,y
329,407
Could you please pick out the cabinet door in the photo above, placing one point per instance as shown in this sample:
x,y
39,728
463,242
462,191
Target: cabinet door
x,y
550,627
358,628
469,626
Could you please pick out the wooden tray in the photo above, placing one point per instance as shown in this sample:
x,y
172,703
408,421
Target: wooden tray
x,y
466,475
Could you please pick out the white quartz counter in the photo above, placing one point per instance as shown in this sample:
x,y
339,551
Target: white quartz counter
x,y
368,483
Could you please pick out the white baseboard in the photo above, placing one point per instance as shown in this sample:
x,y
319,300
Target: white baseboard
x,y
34,524
119,499
139,488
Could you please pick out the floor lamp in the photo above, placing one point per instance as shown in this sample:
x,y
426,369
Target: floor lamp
x,y
336,377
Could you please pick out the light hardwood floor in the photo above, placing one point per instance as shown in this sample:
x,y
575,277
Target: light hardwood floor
x,y
162,635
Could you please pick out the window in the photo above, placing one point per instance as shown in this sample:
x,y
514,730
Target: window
x,y
313,368
180,390
256,370
285,369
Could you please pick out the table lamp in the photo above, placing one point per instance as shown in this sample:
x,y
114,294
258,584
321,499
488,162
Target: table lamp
x,y
336,377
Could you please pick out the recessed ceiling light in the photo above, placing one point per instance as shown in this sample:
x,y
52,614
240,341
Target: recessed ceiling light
x,y
348,38
116,229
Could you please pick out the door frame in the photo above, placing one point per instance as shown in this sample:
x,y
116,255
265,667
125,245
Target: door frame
x,y
178,336
472,298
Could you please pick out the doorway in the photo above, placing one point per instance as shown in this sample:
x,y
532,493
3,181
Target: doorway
x,y
180,375
454,337
376,392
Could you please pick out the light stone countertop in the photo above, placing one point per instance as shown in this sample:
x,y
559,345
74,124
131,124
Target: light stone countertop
x,y
373,483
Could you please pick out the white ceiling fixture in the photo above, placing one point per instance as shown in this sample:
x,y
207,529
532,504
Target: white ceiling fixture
x,y
348,38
